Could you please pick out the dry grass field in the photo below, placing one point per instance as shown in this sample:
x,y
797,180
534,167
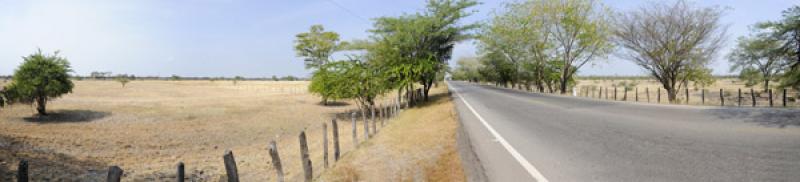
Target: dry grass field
x,y
147,127
648,86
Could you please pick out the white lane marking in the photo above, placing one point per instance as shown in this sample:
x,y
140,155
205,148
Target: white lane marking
x,y
522,161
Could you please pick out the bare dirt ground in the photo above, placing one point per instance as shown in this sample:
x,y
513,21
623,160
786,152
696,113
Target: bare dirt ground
x,y
147,127
418,145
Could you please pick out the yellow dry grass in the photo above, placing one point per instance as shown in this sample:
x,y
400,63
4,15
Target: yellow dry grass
x,y
649,87
149,126
419,145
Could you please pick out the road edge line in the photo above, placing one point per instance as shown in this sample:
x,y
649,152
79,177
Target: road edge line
x,y
520,159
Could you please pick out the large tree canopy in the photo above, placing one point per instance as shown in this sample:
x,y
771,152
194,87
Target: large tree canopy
x,y
40,78
673,42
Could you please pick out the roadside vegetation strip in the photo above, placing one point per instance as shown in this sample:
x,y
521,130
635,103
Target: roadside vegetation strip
x,y
418,145
521,159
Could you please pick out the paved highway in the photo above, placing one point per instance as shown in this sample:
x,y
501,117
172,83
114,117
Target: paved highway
x,y
519,136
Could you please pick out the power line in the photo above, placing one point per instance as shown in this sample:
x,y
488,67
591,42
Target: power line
x,y
348,10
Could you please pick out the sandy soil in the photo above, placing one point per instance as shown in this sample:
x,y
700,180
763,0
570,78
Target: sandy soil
x,y
147,127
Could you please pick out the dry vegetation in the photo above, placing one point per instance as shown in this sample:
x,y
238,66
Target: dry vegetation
x,y
149,126
419,145
730,91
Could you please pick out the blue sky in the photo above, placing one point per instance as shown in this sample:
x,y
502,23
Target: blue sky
x,y
247,38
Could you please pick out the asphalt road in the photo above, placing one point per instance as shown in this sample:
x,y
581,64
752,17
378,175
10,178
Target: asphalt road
x,y
519,136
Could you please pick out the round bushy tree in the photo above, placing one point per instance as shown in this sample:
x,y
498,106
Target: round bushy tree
x,y
40,78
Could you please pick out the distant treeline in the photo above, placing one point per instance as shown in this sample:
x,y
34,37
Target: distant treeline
x,y
176,77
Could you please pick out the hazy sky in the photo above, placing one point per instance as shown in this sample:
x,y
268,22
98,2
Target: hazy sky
x,y
247,38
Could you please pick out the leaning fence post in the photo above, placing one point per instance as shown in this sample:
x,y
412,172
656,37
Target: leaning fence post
x,y
784,97
325,144
355,131
770,97
307,171
114,174
753,96
625,94
721,98
181,172
230,166
335,139
739,102
22,171
276,160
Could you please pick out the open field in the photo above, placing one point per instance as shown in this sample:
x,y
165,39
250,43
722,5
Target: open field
x,y
147,127
418,145
648,86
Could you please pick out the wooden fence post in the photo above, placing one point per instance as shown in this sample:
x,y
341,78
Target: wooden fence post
x,y
647,92
636,98
276,160
230,166
114,174
366,124
606,93
721,98
615,93
600,94
181,172
336,148
382,115
325,145
687,95
784,98
22,171
658,95
753,96
307,171
374,123
355,131
770,97
739,102
625,94
702,96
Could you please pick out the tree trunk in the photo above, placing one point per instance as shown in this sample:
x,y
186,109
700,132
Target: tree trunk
x,y
671,94
766,84
41,104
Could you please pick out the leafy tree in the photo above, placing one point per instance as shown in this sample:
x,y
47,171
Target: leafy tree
x,y
674,42
236,79
787,32
317,46
274,78
760,53
123,79
175,78
467,69
416,47
751,76
40,78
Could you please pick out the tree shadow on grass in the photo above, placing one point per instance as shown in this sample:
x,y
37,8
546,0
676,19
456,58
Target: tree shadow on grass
x,y
45,164
334,104
772,117
68,116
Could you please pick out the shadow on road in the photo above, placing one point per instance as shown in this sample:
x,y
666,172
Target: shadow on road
x,y
779,118
68,116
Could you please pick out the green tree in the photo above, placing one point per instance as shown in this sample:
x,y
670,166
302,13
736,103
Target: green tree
x,y
123,79
236,79
40,78
317,46
760,53
751,76
675,43
787,32
467,68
